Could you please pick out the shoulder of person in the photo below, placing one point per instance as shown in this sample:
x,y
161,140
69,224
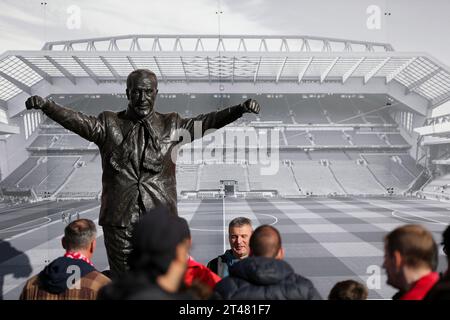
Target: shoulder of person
x,y
228,286
212,262
302,280
96,279
33,281
109,115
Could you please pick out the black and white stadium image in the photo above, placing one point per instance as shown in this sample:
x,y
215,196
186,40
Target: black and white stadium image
x,y
251,150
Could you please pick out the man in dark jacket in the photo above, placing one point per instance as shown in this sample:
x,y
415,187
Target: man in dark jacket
x,y
239,232
73,276
158,261
136,149
264,275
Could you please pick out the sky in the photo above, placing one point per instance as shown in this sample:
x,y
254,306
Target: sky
x,y
408,25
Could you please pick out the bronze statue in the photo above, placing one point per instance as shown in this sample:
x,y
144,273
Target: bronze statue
x,y
135,145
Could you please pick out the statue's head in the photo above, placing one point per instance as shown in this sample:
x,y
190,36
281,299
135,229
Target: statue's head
x,y
142,88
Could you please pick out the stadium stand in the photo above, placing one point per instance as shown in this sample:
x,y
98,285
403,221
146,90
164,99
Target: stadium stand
x,y
295,155
42,142
187,176
44,174
280,111
329,138
412,166
284,182
438,187
396,139
70,141
388,172
314,178
298,138
307,111
210,176
355,178
352,155
85,182
328,155
321,140
58,170
13,179
365,138
340,110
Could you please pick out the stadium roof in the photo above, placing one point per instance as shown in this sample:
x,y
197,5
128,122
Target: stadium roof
x,y
207,63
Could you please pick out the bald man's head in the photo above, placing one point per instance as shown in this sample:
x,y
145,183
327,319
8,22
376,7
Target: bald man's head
x,y
266,242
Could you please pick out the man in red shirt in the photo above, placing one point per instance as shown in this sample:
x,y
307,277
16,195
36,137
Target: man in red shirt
x,y
410,261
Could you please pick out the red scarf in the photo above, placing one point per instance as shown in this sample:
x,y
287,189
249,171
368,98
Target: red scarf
x,y
77,255
420,289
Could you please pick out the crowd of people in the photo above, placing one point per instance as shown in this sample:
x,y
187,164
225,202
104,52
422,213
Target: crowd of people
x,y
254,267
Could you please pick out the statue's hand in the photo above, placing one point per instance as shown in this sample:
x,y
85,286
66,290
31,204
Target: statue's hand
x,y
251,105
35,102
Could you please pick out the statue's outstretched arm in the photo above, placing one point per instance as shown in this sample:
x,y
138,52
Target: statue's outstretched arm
x,y
219,119
89,127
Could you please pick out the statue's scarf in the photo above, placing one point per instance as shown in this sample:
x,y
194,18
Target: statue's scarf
x,y
120,157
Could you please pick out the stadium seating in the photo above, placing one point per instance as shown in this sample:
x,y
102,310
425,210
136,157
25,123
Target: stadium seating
x,y
58,141
42,142
411,165
92,104
322,138
70,141
186,175
315,178
307,111
388,172
340,110
355,179
329,138
297,138
48,175
13,179
210,176
59,169
295,155
365,139
328,155
283,182
85,182
279,112
396,139
353,155
439,186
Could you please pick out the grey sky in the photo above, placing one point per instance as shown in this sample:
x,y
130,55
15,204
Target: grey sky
x,y
414,25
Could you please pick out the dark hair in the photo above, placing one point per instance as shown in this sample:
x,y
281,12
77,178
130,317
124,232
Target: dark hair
x,y
154,241
348,290
141,72
265,242
79,234
239,222
446,241
415,244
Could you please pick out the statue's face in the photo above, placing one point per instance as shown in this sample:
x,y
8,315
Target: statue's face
x,y
142,95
